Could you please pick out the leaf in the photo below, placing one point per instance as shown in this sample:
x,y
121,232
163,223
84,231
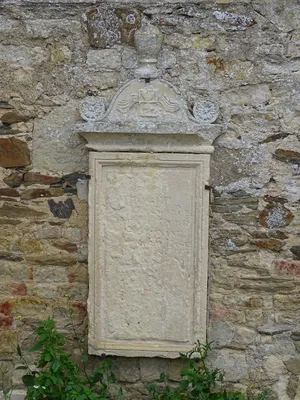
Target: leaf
x,y
28,380
21,367
19,350
183,385
55,365
6,391
84,358
36,347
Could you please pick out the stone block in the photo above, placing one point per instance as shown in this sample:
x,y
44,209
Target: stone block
x,y
271,244
22,56
49,274
127,370
18,289
274,367
78,292
8,339
51,259
107,59
221,333
33,178
267,284
275,216
78,274
243,337
288,267
175,367
65,150
11,256
107,26
296,251
31,194
19,211
38,28
30,307
103,27
293,366
47,231
13,153
28,245
61,209
233,363
66,246
151,368
7,192
14,180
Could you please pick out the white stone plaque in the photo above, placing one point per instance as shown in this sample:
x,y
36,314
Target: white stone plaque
x,y
148,253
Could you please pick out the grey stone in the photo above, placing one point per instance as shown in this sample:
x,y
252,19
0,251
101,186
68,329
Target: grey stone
x,y
22,56
285,16
65,151
103,26
108,59
129,58
151,368
244,337
128,370
296,251
62,209
233,363
221,333
293,365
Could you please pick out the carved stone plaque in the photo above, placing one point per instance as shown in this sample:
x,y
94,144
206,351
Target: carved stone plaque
x,y
148,253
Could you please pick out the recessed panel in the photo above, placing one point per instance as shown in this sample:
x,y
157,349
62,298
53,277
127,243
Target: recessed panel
x,y
147,294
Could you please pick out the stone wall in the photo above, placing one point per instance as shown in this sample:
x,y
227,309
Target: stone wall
x,y
244,55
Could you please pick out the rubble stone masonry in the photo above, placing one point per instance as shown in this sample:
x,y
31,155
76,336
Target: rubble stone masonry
x,y
242,54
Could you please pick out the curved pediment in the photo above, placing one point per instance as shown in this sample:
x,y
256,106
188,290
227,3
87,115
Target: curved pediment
x,y
148,104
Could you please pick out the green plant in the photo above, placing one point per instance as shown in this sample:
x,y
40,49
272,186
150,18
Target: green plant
x,y
198,381
57,376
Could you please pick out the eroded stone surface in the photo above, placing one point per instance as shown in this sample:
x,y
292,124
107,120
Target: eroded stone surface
x,y
146,287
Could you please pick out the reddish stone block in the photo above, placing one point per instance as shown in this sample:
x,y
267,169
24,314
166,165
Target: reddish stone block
x,y
270,244
71,274
8,192
5,308
13,153
81,308
31,178
18,288
289,267
6,319
275,216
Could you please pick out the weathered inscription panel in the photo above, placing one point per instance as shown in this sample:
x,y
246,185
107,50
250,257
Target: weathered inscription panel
x,y
148,253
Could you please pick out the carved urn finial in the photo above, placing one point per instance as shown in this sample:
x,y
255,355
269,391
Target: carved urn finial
x,y
148,42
